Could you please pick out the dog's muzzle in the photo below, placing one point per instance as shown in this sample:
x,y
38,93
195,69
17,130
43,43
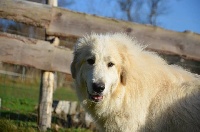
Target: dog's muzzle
x,y
98,89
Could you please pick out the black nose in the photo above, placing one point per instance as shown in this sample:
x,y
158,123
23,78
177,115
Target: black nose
x,y
98,87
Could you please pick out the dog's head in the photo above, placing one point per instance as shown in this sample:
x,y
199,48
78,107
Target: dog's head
x,y
98,66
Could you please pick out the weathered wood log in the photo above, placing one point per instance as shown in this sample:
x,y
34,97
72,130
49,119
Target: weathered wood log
x,y
60,22
73,110
35,53
45,101
62,107
27,12
47,87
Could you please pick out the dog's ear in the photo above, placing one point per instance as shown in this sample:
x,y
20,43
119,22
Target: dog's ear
x,y
124,67
123,76
73,70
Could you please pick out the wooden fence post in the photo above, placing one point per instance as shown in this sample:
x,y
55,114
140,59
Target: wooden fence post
x,y
45,100
46,89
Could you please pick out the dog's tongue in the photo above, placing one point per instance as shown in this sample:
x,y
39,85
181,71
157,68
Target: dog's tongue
x,y
97,97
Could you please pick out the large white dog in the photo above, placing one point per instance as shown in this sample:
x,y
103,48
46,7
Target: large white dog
x,y
127,89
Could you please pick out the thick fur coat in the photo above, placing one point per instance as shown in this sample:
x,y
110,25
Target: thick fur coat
x,y
126,88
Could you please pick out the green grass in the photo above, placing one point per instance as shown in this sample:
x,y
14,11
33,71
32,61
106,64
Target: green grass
x,y
11,126
24,96
65,94
18,96
19,101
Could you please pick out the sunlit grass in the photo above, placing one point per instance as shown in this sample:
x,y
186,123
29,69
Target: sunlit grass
x,y
19,99
24,96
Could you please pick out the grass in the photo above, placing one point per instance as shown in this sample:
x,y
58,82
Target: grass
x,y
19,101
10,126
65,94
23,96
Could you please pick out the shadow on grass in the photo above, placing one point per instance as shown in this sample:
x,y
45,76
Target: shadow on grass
x,y
18,116
30,120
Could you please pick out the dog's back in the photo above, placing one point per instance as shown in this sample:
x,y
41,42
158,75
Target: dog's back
x,y
175,110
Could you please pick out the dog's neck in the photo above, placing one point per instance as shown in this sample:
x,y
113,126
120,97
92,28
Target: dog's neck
x,y
112,110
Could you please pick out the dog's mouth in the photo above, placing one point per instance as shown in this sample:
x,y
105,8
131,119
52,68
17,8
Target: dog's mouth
x,y
96,97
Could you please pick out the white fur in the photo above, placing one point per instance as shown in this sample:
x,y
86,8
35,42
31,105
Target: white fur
x,y
142,92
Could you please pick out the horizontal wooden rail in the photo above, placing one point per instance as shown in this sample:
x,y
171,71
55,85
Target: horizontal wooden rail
x,y
65,23
11,73
27,12
35,53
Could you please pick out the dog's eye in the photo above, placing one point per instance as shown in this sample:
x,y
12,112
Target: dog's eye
x,y
91,61
110,64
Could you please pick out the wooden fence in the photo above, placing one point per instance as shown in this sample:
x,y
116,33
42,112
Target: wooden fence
x,y
20,50
64,23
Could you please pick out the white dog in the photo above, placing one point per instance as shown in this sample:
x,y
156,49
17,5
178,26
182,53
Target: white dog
x,y
127,89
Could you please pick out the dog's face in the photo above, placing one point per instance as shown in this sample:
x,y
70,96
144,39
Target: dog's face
x,y
96,68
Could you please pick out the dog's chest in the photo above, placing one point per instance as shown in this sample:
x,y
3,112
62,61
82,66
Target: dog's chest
x,y
116,122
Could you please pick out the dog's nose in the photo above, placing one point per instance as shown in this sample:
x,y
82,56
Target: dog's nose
x,y
98,87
